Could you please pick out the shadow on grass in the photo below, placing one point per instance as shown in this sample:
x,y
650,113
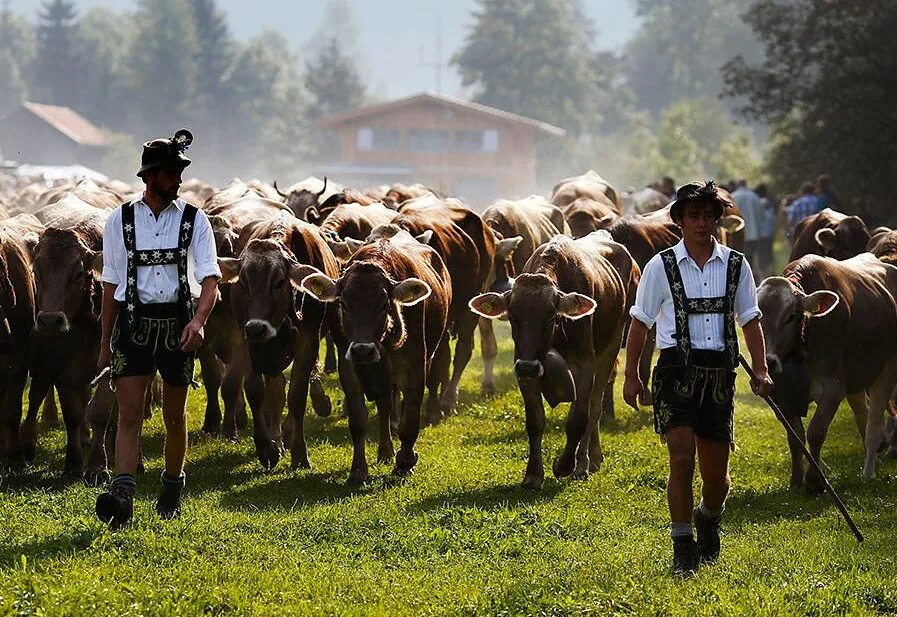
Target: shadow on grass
x,y
751,506
295,491
41,478
55,546
499,497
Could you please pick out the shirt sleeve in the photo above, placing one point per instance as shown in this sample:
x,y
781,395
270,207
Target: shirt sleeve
x,y
746,309
205,257
651,292
114,258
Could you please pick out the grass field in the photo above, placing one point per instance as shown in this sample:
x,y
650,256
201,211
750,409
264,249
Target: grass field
x,y
457,537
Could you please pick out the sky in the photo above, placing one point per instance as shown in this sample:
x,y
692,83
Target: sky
x,y
398,48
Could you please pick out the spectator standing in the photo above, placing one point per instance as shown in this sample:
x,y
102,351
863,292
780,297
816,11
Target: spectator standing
x,y
763,266
752,211
824,194
802,207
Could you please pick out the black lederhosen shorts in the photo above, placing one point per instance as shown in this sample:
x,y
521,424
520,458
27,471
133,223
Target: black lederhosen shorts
x,y
155,344
700,396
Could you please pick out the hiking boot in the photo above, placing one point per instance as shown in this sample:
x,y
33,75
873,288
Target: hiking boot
x,y
685,555
708,535
115,507
168,506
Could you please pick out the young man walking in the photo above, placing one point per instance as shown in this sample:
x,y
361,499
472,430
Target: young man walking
x,y
148,318
696,292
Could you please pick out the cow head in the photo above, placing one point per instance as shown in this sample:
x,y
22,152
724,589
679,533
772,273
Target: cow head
x,y
64,271
785,308
534,305
225,236
503,269
584,222
371,305
265,277
303,202
845,240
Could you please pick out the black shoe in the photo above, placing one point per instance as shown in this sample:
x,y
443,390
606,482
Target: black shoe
x,y
708,535
685,555
169,503
115,507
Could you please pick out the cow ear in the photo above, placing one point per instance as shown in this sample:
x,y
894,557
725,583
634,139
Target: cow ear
x,y
490,305
732,223
313,216
230,269
605,221
321,286
425,237
298,272
504,248
340,249
820,303
826,238
410,291
96,262
575,305
354,245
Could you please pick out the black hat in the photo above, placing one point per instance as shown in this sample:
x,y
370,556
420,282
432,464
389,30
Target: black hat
x,y
706,192
166,152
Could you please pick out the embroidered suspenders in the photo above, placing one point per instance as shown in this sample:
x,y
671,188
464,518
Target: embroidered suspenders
x,y
684,306
157,257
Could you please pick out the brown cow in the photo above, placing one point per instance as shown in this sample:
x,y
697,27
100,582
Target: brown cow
x,y
589,185
830,233
842,318
281,327
66,339
16,322
567,311
883,244
587,214
308,193
394,298
467,246
353,221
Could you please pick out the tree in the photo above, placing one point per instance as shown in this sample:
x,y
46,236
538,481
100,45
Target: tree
x,y
102,44
533,58
14,89
216,50
337,21
56,75
828,86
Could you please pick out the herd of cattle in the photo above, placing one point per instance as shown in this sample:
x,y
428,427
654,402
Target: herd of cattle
x,y
387,276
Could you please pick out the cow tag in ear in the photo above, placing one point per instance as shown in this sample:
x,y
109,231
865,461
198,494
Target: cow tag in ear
x,y
490,305
410,291
321,286
732,223
230,269
425,237
819,303
575,305
298,272
353,245
826,238
504,248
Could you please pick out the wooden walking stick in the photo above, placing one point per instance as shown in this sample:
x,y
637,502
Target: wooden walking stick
x,y
813,463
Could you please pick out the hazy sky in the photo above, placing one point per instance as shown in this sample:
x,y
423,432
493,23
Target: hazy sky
x,y
398,37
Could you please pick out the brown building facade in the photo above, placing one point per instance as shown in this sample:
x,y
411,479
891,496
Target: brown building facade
x,y
460,148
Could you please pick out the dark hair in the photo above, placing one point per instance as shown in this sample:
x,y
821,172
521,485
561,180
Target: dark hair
x,y
807,188
762,190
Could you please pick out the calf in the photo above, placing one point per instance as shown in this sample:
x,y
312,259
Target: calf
x,y
567,311
394,298
841,318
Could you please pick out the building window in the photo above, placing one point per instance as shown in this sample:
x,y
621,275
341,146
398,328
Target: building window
x,y
476,141
368,139
428,140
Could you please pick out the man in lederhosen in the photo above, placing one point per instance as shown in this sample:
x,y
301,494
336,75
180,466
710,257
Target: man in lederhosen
x,y
148,318
696,292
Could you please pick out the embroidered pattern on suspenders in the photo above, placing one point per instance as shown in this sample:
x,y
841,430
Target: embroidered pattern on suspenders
x,y
684,306
156,257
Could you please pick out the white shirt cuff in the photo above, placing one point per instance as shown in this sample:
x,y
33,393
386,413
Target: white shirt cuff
x,y
201,275
641,315
747,317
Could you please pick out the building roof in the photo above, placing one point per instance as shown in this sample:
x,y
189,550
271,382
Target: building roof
x,y
448,101
68,122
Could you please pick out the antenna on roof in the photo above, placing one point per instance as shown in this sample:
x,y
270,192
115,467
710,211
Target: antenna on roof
x,y
438,64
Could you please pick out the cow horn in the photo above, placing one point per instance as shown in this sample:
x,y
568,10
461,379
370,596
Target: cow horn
x,y
279,192
323,190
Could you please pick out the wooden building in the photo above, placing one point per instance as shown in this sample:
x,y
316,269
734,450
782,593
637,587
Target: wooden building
x,y
51,135
460,148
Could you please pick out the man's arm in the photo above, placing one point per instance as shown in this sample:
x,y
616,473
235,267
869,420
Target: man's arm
x,y
107,321
635,343
753,337
193,334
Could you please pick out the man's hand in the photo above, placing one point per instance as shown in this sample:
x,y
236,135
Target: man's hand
x,y
761,383
632,387
192,336
105,357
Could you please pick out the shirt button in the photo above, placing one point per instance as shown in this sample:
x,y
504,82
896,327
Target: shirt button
x,y
707,320
157,235
705,283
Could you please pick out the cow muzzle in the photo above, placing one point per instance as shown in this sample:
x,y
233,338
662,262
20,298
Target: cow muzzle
x,y
363,353
528,369
774,364
259,330
52,322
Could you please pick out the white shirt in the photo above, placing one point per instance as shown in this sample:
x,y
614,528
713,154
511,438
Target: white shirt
x,y
752,210
157,284
654,301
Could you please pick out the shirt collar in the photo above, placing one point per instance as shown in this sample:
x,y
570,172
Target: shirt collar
x,y
682,253
178,203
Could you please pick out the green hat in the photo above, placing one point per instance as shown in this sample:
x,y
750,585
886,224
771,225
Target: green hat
x,y
166,152
706,192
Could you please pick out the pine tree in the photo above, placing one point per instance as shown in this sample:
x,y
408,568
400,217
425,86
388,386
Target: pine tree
x,y
56,72
333,82
13,91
